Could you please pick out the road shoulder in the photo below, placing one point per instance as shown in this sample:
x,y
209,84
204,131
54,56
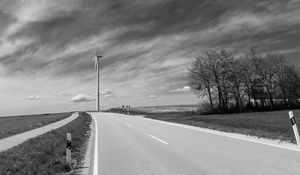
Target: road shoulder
x,y
89,155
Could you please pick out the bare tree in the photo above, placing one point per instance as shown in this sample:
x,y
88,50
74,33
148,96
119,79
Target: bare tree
x,y
231,70
237,81
214,66
200,79
249,75
288,83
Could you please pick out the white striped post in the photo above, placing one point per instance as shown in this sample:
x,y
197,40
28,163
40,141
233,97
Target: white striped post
x,y
294,125
127,109
68,149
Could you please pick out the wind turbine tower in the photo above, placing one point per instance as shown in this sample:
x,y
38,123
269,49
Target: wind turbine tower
x,y
97,64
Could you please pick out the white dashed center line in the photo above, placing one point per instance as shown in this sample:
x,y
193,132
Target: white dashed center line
x,y
129,125
158,139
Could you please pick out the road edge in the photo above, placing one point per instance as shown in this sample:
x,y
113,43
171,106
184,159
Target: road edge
x,y
94,160
87,162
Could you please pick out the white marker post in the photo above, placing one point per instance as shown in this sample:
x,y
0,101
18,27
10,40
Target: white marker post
x,y
294,125
128,109
68,149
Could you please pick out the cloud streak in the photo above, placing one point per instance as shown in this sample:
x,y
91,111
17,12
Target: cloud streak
x,y
152,96
33,97
184,89
80,98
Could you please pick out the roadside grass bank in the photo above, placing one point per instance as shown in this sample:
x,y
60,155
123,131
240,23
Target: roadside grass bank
x,y
45,154
18,124
270,125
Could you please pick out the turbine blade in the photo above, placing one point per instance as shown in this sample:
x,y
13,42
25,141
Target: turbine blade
x,y
95,62
96,65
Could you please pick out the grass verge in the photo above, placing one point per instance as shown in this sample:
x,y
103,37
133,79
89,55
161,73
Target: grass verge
x,y
17,124
45,154
270,125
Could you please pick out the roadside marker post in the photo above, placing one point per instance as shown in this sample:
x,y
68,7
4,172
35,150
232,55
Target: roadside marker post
x,y
68,149
128,107
294,125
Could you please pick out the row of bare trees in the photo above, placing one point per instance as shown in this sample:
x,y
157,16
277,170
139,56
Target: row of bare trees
x,y
241,83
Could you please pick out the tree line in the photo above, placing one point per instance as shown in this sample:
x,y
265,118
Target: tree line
x,y
245,83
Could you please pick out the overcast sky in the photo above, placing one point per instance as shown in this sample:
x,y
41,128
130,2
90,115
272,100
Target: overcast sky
x,y
47,47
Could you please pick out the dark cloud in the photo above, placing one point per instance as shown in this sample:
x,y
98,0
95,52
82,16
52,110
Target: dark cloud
x,y
73,65
121,57
205,23
56,32
6,20
23,60
171,17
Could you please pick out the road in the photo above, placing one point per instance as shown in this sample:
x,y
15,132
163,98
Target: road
x,y
132,145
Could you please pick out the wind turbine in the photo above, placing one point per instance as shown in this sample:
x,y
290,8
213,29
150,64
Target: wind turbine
x,y
97,66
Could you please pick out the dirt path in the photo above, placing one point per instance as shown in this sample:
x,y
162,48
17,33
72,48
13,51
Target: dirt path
x,y
15,140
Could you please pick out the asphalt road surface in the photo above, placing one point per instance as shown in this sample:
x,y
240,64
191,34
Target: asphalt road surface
x,y
135,146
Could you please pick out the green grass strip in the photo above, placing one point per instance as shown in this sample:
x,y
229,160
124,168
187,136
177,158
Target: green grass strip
x,y
45,154
13,125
